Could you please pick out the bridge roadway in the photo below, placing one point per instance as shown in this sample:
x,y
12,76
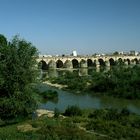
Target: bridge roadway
x,y
85,61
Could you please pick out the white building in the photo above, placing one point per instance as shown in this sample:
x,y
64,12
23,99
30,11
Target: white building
x,y
74,53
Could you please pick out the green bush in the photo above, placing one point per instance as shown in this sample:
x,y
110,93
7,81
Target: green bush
x,y
56,113
49,94
113,129
73,111
20,105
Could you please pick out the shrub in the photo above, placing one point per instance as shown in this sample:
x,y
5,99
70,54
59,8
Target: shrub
x,y
56,112
49,94
73,111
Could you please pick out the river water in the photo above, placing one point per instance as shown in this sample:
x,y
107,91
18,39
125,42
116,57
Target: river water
x,y
87,101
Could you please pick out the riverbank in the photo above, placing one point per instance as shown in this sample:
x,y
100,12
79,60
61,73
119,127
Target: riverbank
x,y
89,124
86,100
59,86
120,82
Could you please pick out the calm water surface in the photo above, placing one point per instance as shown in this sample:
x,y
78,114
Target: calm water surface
x,y
86,101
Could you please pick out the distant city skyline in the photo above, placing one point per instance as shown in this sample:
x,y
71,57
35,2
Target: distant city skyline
x,y
62,26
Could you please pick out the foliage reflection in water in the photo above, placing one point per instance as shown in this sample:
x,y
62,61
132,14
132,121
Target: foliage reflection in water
x,y
87,101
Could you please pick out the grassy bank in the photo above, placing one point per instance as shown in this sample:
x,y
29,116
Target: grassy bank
x,y
86,125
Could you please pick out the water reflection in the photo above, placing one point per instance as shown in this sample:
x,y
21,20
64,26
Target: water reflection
x,y
59,72
54,101
86,100
52,73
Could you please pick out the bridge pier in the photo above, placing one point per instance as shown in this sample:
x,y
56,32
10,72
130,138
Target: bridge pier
x,y
83,64
126,62
133,62
68,64
97,64
107,63
52,64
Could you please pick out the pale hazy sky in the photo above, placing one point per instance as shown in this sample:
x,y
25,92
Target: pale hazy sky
x,y
60,26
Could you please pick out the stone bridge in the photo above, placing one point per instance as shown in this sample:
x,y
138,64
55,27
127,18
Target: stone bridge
x,y
85,61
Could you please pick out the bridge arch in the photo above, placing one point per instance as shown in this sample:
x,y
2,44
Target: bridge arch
x,y
59,64
75,63
120,61
128,60
42,65
136,60
112,62
89,63
83,63
101,62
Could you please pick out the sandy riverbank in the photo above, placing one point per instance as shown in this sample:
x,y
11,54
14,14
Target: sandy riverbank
x,y
55,85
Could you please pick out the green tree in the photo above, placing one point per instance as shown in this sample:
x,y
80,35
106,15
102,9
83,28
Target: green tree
x,y
116,53
17,72
73,111
3,40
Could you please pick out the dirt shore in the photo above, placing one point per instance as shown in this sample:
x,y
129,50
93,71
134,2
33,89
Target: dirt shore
x,y
55,85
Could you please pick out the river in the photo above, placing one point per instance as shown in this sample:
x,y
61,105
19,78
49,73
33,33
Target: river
x,y
87,101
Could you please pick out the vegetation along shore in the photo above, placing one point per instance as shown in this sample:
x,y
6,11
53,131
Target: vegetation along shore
x,y
120,81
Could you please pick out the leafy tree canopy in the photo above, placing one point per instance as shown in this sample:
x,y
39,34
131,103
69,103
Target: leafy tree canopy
x,y
17,72
3,40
